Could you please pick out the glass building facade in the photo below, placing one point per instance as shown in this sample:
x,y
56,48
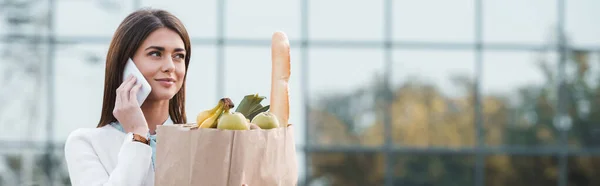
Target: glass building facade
x,y
384,92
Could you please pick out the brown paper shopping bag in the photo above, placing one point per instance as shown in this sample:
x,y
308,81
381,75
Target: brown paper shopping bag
x,y
186,156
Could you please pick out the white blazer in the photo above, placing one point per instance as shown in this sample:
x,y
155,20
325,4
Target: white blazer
x,y
108,157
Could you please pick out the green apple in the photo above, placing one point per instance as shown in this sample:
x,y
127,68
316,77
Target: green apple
x,y
266,120
232,121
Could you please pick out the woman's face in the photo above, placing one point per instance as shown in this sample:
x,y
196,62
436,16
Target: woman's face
x,y
161,59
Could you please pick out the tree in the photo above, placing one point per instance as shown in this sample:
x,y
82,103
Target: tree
x,y
424,117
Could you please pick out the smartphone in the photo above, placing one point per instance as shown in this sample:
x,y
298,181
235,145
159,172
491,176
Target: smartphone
x,y
131,69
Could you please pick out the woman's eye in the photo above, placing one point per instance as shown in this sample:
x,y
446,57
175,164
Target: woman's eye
x,y
157,54
180,56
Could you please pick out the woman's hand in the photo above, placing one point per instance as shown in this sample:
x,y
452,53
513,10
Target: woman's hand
x,y
127,110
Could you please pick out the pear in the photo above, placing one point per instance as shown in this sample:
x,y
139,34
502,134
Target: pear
x,y
232,121
266,120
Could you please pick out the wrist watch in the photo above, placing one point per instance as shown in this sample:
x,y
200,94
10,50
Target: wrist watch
x,y
139,138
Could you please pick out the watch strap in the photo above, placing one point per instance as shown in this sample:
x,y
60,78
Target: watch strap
x,y
141,139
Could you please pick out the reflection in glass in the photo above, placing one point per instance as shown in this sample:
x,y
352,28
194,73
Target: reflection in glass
x,y
519,96
346,169
450,21
248,71
535,21
199,17
438,170
582,88
347,20
201,83
24,18
23,91
345,91
502,170
583,170
432,98
79,87
581,19
28,169
101,17
262,19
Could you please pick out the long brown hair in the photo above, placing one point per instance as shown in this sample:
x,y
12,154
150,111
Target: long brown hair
x,y
128,37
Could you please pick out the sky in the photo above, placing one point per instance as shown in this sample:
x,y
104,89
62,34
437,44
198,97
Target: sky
x,y
79,83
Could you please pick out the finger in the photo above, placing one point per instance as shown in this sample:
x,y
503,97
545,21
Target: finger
x,y
134,91
118,100
129,83
125,81
127,89
120,89
118,97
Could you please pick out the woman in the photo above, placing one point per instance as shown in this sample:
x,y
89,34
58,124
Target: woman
x,y
121,149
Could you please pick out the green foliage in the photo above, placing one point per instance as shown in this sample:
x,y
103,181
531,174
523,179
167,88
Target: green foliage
x,y
423,117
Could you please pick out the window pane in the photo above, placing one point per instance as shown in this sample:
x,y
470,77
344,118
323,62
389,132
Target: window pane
x,y
442,170
201,83
259,19
446,21
502,170
584,170
248,71
348,20
583,69
23,93
535,21
199,17
24,17
519,98
11,165
344,91
346,169
432,98
101,17
582,22
79,87
27,168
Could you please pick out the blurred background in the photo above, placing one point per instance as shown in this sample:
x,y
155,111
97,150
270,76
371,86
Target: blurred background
x,y
383,92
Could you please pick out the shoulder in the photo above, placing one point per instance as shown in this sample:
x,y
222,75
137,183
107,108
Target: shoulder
x,y
80,135
87,133
86,137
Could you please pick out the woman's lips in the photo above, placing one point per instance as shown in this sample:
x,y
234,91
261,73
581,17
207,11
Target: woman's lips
x,y
166,82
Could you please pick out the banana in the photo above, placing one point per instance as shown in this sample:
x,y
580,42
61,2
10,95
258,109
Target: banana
x,y
209,118
202,116
212,120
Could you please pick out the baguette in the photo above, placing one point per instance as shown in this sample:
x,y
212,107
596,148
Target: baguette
x,y
280,76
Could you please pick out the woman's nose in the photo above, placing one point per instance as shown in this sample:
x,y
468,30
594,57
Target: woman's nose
x,y
168,65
